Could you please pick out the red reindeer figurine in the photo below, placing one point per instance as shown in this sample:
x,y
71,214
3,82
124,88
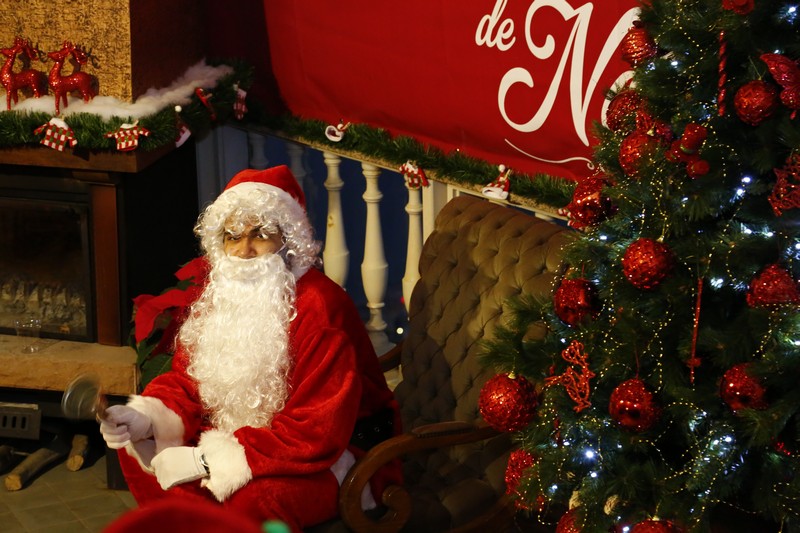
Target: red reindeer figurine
x,y
35,80
77,81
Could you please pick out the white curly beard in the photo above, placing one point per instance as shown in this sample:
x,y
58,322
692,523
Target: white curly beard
x,y
237,339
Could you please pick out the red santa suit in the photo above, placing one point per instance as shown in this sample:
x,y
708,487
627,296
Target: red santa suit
x,y
285,470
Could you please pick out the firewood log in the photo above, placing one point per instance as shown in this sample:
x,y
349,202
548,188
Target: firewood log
x,y
31,466
77,455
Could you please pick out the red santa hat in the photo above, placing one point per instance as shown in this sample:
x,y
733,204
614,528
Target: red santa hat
x,y
278,178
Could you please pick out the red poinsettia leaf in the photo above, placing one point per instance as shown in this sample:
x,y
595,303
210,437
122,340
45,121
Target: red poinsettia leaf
x,y
783,70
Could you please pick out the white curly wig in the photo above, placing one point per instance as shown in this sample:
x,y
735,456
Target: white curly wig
x,y
260,205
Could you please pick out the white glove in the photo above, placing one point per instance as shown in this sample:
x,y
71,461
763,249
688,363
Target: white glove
x,y
122,424
178,464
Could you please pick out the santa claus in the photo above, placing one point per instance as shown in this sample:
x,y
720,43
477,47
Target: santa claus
x,y
272,375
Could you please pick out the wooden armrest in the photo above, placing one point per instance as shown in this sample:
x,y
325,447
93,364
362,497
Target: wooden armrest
x,y
391,359
396,498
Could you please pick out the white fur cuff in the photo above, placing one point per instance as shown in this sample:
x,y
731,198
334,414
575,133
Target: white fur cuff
x,y
227,463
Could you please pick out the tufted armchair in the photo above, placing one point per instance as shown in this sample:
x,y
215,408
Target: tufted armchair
x,y
479,255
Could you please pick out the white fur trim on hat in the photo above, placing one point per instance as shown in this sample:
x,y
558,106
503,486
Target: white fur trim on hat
x,y
248,187
227,463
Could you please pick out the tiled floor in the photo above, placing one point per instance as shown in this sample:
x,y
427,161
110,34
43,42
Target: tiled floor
x,y
61,501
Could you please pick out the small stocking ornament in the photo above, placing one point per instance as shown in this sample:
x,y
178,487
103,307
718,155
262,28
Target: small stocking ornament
x,y
499,188
740,390
508,402
240,104
633,407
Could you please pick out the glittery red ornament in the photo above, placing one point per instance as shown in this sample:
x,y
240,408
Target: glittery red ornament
x,y
755,101
633,407
654,526
621,112
786,193
787,73
773,286
698,168
636,146
740,390
693,138
589,206
518,461
637,46
566,523
646,263
575,300
508,402
740,7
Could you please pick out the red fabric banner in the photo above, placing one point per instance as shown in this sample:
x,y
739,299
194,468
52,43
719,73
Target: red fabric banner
x,y
518,83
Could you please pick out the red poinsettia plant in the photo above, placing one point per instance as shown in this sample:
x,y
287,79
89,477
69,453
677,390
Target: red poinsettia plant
x,y
157,319
740,7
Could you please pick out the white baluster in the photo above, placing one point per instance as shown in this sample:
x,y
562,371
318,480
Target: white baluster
x,y
414,245
335,256
295,152
258,153
374,268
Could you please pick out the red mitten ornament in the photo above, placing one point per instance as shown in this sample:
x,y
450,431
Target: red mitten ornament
x,y
575,300
637,46
633,407
755,102
647,262
773,286
507,402
740,390
589,206
654,526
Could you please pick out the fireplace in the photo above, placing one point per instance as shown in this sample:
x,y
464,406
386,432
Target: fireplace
x,y
82,235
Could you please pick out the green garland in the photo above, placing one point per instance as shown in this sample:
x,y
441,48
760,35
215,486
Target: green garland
x,y
363,141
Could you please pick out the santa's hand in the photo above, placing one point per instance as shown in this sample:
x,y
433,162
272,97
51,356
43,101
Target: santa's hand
x,y
177,465
122,424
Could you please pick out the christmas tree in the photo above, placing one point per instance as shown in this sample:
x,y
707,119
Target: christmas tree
x,y
666,389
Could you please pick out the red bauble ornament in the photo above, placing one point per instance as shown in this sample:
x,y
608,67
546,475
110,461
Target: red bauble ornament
x,y
621,112
575,300
773,286
755,101
646,263
518,461
633,407
637,46
634,147
589,206
566,523
740,390
654,526
508,402
698,168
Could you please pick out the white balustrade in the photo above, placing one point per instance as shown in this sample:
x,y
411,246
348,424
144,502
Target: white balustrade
x,y
374,268
335,255
414,244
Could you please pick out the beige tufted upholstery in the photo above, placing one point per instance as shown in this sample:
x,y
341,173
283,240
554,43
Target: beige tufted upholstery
x,y
479,255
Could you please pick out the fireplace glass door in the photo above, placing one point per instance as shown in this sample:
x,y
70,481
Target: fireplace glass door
x,y
45,268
